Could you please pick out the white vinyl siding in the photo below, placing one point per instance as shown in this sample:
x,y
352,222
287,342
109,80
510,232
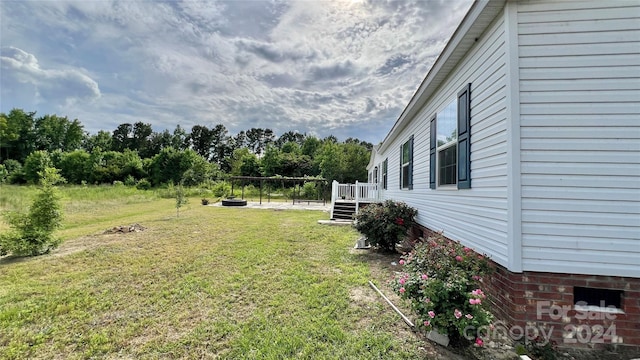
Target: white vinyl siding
x,y
476,216
580,136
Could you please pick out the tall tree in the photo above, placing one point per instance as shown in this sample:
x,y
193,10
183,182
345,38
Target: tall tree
x,y
258,139
58,133
141,138
290,136
100,140
221,147
200,141
310,146
356,158
180,139
330,160
122,137
18,135
240,140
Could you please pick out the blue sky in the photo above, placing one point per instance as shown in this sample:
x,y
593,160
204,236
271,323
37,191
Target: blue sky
x,y
342,67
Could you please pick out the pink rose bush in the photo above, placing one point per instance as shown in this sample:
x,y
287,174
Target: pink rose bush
x,y
385,224
443,282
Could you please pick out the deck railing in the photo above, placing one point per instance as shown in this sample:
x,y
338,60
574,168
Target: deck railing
x,y
358,192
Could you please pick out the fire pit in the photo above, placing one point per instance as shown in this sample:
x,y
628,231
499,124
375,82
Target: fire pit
x,y
234,202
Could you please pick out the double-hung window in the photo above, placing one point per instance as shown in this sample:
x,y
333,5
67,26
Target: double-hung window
x,y
406,164
385,165
449,158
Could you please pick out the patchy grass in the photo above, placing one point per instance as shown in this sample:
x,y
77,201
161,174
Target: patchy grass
x,y
214,283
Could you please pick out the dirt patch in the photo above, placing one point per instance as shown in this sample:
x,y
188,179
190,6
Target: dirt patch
x,y
90,242
124,229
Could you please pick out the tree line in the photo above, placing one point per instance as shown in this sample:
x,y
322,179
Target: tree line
x,y
134,152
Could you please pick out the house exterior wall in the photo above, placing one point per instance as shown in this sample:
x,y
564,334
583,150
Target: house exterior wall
x,y
477,215
555,164
579,69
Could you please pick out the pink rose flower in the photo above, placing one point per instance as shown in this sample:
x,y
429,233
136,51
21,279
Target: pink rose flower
x,y
432,314
402,281
479,342
424,277
459,258
427,323
401,262
457,314
402,290
469,316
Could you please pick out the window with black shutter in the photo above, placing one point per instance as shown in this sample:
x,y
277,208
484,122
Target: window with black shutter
x,y
450,150
406,164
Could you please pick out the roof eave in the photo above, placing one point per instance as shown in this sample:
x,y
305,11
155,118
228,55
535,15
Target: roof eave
x,y
475,22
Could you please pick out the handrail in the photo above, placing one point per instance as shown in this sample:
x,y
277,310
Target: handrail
x,y
358,192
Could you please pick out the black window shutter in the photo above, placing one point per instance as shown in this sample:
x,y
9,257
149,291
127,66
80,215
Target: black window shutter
x,y
432,155
400,167
464,138
411,163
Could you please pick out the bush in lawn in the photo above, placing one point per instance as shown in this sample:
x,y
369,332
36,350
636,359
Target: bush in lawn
x,y
15,173
386,224
130,181
35,164
143,184
32,233
443,281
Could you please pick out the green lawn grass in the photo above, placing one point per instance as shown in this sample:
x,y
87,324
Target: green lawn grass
x,y
230,283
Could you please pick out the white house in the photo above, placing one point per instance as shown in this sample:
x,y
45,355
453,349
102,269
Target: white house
x,y
523,143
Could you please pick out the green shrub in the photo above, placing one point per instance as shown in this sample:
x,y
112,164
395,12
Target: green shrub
x,y
221,189
443,281
143,184
311,190
35,164
386,224
15,173
32,232
130,180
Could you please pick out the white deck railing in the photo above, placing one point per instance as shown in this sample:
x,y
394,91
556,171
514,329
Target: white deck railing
x,y
358,192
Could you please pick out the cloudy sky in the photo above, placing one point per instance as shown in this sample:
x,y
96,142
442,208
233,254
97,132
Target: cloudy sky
x,y
341,67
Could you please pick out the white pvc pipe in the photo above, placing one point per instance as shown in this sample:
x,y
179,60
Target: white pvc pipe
x,y
406,319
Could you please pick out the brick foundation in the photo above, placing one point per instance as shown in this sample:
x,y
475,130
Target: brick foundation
x,y
545,301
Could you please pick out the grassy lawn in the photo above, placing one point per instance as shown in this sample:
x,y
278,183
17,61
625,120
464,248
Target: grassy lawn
x,y
213,283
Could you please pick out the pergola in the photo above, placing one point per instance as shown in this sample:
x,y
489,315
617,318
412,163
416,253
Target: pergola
x,y
282,180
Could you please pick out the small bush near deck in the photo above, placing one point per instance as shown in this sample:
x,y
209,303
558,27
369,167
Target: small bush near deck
x,y
386,224
443,281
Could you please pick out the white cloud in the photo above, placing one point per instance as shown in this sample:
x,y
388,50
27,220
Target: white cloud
x,y
50,84
340,67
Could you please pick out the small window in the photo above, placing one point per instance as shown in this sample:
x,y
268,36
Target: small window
x,y
406,164
601,298
385,165
375,175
